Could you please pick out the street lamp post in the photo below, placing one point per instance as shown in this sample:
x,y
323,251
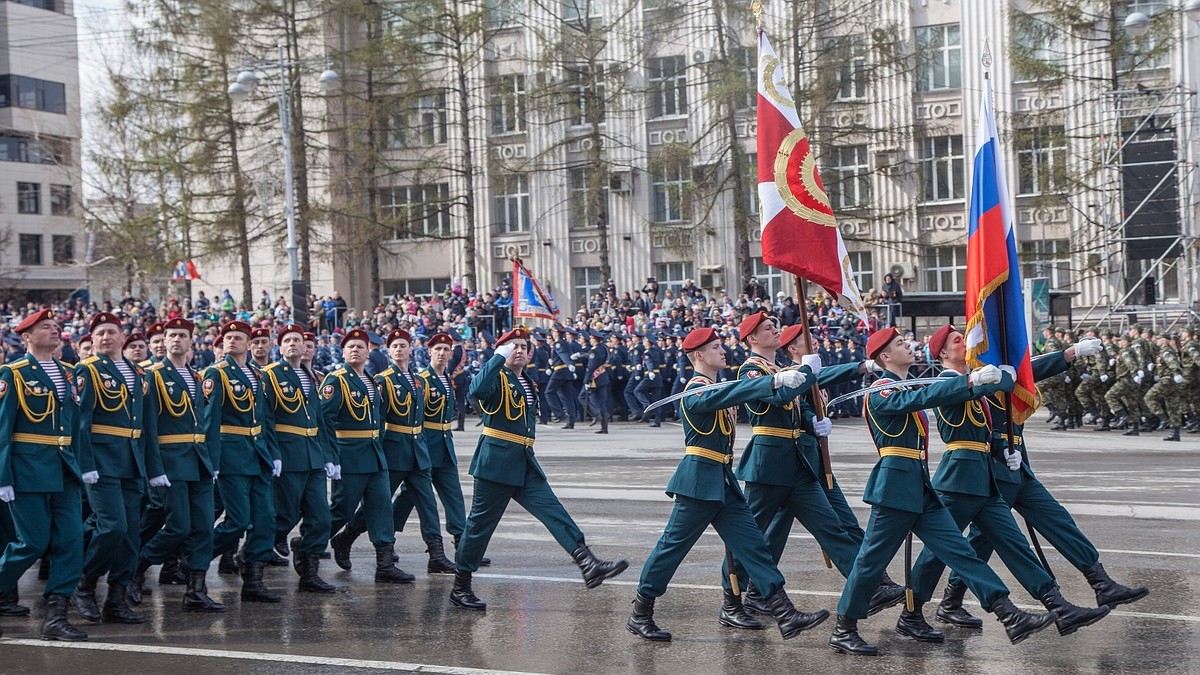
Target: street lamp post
x,y
242,87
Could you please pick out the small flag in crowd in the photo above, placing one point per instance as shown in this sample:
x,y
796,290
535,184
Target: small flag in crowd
x,y
530,300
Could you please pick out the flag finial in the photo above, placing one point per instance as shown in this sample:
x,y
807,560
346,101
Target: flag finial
x,y
986,59
756,8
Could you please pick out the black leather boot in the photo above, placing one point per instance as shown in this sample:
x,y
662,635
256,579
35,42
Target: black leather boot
x,y
754,602
846,640
84,599
341,543
281,548
1173,436
196,598
595,570
139,579
226,565
1134,428
172,573
1104,424
462,595
116,608
884,597
733,614
55,626
297,557
603,424
1070,618
914,625
483,562
253,589
641,621
9,604
386,571
792,621
1109,592
438,562
277,560
951,610
310,581
1018,624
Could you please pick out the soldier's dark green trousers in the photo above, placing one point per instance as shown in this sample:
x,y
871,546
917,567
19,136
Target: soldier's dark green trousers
x,y
302,497
49,524
188,507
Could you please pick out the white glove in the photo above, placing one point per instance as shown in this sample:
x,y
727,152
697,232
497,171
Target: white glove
x,y
1150,366
337,472
7,494
822,426
1177,379
576,355
1156,378
1112,362
276,468
505,350
1012,372
1140,375
788,378
1137,379
1067,379
813,361
988,374
871,367
1085,376
649,374
160,481
571,369
215,475
91,477
1104,378
1013,459
1087,347
329,469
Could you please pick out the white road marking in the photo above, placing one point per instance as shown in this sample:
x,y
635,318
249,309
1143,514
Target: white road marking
x,y
261,656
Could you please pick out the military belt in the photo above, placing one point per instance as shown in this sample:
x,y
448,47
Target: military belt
x,y
722,457
297,431
401,429
438,426
240,431
109,430
506,436
560,367
977,446
357,433
42,439
171,439
896,451
778,432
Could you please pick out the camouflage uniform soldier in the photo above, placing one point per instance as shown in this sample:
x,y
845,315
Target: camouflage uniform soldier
x,y
1125,397
1073,411
1167,396
1105,371
1189,357
1089,383
1054,388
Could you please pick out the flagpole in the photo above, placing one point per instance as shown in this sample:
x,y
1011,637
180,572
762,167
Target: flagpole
x,y
815,391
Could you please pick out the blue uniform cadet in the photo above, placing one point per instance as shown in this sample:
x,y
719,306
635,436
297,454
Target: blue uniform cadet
x,y
597,382
505,469
707,493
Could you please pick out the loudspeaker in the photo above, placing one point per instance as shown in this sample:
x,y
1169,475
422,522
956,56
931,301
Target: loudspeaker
x,y
1150,290
300,291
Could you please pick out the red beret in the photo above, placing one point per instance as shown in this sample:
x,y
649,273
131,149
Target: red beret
x,y
356,334
310,336
518,333
879,340
397,334
133,337
86,337
236,327
441,339
698,338
103,318
938,339
33,320
178,324
256,333
156,329
790,333
751,324
290,328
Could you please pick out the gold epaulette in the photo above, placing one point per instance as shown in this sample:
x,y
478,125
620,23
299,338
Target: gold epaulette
x,y
425,374
154,366
756,362
270,366
147,363
338,373
90,360
19,363
387,372
220,364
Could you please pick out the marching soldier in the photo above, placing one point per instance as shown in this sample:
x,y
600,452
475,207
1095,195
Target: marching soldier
x,y
966,484
85,348
1125,396
1167,398
115,466
597,383
633,367
649,389
352,408
1092,386
562,375
242,460
292,420
1189,356
134,348
260,347
579,360
902,498
40,482
174,431
505,469
707,493
539,370
157,341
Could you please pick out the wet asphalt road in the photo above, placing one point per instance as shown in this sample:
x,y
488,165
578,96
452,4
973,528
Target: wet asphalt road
x,y
1137,498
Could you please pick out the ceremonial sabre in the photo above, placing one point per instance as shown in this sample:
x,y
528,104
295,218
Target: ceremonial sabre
x,y
886,385
694,390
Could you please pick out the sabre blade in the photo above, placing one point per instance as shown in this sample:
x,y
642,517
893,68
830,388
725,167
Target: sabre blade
x,y
695,390
886,385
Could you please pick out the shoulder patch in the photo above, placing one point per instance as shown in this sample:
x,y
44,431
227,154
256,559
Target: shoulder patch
x,y
327,392
753,372
3,388
208,387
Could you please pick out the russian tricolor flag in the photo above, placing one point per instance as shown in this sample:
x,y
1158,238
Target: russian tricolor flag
x,y
996,331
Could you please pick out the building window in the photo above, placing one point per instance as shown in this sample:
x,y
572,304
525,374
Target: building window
x,y
939,50
769,278
587,283
416,210
846,56
745,60
1047,258
666,80
670,183
750,182
862,266
418,123
508,104
1152,50
574,10
31,249
29,198
40,4
942,168
28,92
585,88
510,203
414,287
670,276
502,13
848,183
60,200
31,150
945,269
64,249
584,184
1041,160
1037,52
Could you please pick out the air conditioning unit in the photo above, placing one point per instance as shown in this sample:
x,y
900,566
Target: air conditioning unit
x,y
712,277
899,271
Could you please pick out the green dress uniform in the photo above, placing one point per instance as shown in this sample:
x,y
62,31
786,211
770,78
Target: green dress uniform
x,y
351,405
109,442
38,433
292,424
504,465
239,452
175,431
902,497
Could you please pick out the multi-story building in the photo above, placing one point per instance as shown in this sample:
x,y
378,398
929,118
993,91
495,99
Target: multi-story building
x,y
40,229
